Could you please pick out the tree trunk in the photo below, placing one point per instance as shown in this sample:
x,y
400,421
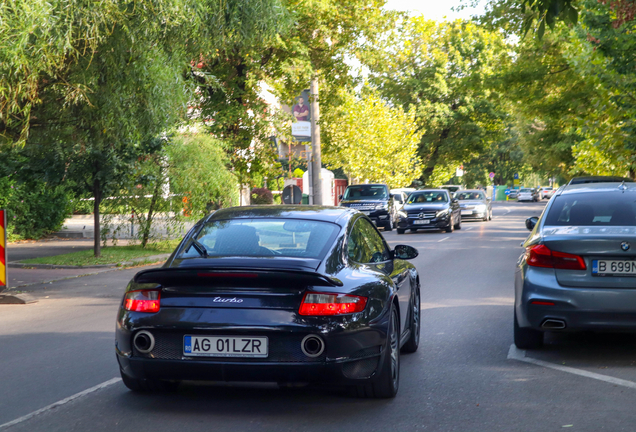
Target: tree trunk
x,y
97,193
151,209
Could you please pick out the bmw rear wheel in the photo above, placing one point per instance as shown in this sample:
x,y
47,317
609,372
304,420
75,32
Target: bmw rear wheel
x,y
387,382
527,338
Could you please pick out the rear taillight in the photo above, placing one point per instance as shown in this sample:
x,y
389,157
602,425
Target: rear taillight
x,y
331,304
142,301
542,256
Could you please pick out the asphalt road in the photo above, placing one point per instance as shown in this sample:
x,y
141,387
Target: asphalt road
x,y
465,377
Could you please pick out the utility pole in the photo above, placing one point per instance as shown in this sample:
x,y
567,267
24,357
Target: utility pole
x,y
316,158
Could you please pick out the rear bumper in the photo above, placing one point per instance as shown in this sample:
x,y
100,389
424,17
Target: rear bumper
x,y
608,309
333,373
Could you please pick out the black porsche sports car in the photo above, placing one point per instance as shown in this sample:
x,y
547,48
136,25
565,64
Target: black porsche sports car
x,y
286,294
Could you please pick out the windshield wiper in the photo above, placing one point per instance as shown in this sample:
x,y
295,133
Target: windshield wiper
x,y
199,247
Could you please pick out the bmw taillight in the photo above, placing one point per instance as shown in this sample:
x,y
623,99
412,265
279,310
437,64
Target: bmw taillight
x,y
542,256
331,304
142,301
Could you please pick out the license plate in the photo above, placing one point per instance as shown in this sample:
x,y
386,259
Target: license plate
x,y
225,346
467,212
613,268
422,222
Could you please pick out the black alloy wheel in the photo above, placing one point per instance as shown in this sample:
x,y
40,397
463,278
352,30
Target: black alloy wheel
x,y
414,339
389,225
387,381
527,338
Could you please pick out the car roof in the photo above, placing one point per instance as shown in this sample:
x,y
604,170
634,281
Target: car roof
x,y
598,179
337,215
597,187
431,190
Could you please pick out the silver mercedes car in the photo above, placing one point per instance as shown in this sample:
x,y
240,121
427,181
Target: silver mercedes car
x,y
474,204
578,271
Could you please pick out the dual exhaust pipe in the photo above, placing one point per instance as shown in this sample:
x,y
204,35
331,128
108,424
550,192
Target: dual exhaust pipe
x,y
312,345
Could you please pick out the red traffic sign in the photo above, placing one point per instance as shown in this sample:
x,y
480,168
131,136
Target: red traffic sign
x,y
492,175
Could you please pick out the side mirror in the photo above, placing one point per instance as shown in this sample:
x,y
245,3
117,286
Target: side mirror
x,y
454,200
531,222
405,252
340,197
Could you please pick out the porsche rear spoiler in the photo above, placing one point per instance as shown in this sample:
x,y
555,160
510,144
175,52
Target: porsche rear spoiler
x,y
232,275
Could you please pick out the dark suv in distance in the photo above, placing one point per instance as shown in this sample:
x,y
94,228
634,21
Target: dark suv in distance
x,y
430,209
374,200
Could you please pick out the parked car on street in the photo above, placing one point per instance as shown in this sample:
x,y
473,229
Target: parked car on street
x,y
527,194
474,204
546,192
375,201
429,209
284,294
513,194
578,271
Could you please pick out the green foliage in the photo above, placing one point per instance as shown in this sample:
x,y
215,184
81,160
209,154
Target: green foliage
x,y
371,140
444,72
262,196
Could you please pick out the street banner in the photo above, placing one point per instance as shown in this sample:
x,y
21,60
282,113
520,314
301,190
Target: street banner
x,y
4,280
301,110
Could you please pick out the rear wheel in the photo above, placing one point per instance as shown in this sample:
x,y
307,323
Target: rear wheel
x,y
414,339
387,383
389,225
527,338
148,385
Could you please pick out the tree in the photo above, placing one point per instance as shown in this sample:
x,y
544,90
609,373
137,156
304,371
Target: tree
x,y
371,140
444,72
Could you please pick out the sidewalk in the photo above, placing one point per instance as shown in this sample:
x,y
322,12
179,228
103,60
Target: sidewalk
x,y
20,277
83,227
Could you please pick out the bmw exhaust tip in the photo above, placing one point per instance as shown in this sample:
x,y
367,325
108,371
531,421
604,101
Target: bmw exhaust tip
x,y
553,324
312,346
144,341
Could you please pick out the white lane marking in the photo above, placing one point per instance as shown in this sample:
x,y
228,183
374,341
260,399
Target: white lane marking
x,y
445,238
60,403
520,355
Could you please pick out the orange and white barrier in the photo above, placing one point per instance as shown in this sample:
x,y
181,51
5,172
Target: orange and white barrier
x,y
4,282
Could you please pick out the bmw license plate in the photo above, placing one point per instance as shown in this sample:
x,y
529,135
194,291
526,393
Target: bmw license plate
x,y
422,222
225,346
613,268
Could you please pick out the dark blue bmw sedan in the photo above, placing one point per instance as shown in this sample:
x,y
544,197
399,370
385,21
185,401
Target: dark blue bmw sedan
x,y
285,294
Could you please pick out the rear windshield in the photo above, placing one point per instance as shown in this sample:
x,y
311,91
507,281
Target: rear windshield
x,y
470,196
422,197
372,192
526,190
265,238
593,209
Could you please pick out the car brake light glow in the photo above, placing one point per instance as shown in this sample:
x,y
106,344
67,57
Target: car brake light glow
x,y
142,301
542,303
228,275
331,304
542,256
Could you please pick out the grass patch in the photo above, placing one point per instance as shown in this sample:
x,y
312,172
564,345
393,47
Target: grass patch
x,y
110,255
